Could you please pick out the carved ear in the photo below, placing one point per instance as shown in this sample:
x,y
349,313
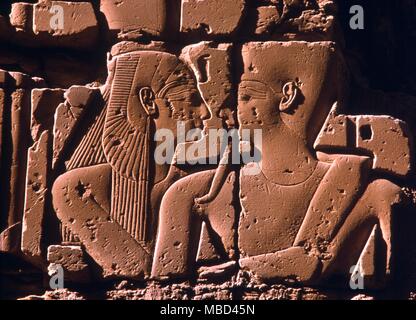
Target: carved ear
x,y
147,99
290,95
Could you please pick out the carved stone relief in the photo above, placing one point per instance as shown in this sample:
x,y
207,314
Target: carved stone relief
x,y
205,86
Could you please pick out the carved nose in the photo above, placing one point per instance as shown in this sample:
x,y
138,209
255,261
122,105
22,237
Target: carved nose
x,y
204,112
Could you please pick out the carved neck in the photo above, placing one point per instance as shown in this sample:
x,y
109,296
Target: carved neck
x,y
286,160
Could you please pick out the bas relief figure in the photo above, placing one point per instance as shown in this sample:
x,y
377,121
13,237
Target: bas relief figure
x,y
321,198
108,205
306,215
300,214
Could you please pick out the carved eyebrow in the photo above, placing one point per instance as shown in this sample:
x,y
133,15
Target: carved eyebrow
x,y
180,95
254,92
170,85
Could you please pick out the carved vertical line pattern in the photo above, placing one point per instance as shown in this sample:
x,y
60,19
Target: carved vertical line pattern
x,y
129,205
123,189
137,203
141,197
114,197
129,197
135,220
146,169
129,200
83,155
128,214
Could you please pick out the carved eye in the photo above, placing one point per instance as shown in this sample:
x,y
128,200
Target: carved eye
x,y
194,97
245,97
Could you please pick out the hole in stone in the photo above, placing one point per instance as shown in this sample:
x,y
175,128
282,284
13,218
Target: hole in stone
x,y
36,187
366,133
252,68
342,191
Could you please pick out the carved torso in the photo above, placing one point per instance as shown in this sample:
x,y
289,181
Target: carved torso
x,y
272,214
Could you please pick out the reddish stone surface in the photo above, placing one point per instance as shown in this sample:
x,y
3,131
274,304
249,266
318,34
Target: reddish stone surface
x,y
216,18
55,24
134,19
91,92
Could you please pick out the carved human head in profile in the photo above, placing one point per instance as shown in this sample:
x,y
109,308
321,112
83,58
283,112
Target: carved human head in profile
x,y
287,85
149,90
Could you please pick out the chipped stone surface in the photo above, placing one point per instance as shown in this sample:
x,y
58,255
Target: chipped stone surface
x,y
386,138
310,227
211,17
267,19
239,287
367,262
21,16
35,198
130,46
19,119
24,81
14,144
134,19
68,115
55,23
212,65
311,181
305,19
72,260
44,103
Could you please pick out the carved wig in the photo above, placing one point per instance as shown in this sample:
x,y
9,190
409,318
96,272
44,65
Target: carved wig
x,y
126,136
